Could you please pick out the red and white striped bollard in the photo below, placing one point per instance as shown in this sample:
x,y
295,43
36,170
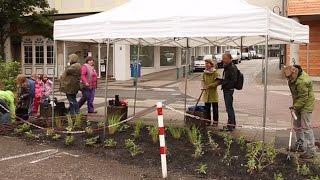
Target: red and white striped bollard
x,y
162,140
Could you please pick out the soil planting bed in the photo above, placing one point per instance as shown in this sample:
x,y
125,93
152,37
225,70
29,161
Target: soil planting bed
x,y
181,162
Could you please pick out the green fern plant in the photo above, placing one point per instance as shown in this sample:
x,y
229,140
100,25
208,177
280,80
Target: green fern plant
x,y
132,147
22,128
202,169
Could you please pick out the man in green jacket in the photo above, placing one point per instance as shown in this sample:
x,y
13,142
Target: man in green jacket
x,y
301,89
7,107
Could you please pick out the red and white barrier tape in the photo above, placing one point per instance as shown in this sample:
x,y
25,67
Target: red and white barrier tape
x,y
162,140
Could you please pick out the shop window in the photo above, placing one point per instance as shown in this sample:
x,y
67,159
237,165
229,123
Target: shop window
x,y
28,54
168,56
39,55
146,55
50,54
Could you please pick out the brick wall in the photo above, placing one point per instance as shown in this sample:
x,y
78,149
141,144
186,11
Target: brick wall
x,y
303,7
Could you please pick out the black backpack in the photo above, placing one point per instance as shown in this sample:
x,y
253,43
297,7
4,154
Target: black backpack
x,y
239,83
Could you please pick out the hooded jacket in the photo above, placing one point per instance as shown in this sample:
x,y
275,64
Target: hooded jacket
x,y
8,97
302,92
70,79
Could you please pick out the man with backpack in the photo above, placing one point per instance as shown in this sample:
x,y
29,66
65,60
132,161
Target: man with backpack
x,y
232,79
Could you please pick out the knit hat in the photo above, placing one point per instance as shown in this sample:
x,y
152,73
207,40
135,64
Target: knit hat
x,y
73,58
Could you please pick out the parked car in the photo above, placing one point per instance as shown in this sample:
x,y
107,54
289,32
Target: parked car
x,y
235,53
199,63
253,54
260,56
218,58
246,55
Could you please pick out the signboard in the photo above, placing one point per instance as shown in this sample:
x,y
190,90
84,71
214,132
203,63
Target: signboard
x,y
103,68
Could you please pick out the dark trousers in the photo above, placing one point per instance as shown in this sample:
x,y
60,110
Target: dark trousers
x,y
73,104
87,96
215,109
228,99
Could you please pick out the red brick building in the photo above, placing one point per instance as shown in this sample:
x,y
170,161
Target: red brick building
x,y
308,12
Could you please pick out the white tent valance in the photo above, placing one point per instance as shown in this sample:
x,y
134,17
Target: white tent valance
x,y
168,22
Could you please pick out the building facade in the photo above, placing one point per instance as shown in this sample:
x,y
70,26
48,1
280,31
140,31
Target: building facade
x,y
36,53
306,12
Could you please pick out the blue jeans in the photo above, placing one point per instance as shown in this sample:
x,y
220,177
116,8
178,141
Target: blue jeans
x,y
73,104
228,100
5,118
87,96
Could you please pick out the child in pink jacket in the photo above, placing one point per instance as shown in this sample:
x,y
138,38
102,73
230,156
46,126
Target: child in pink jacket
x,y
38,94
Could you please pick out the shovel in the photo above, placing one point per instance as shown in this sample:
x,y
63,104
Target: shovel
x,y
293,118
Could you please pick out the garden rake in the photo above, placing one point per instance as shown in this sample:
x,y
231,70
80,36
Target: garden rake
x,y
293,118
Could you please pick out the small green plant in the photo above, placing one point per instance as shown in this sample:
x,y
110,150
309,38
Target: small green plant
x,y
56,137
78,121
193,134
124,127
70,122
176,133
242,142
89,131
202,169
154,133
303,170
69,140
277,176
110,143
101,124
132,147
30,135
49,132
314,178
58,122
137,129
92,141
113,123
22,128
89,123
214,146
259,156
227,141
198,151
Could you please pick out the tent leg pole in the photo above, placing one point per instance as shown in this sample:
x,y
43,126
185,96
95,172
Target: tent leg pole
x,y
55,63
186,80
308,66
265,89
136,67
106,92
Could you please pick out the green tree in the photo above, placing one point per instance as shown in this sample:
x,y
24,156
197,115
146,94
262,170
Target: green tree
x,y
27,16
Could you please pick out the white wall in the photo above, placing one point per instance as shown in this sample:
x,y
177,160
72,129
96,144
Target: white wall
x,y
267,3
122,62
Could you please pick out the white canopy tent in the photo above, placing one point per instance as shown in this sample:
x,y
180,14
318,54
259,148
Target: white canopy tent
x,y
185,23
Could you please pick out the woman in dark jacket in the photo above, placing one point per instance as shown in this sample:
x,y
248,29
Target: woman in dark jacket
x,y
23,94
70,83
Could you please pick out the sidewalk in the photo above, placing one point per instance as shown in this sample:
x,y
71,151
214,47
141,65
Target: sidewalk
x,y
248,105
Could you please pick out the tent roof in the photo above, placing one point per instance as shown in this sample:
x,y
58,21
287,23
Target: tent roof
x,y
169,22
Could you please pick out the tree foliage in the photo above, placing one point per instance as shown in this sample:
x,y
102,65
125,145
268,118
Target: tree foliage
x,y
27,16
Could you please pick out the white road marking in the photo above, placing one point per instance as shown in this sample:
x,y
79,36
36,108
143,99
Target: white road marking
x,y
163,89
27,154
53,155
41,159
